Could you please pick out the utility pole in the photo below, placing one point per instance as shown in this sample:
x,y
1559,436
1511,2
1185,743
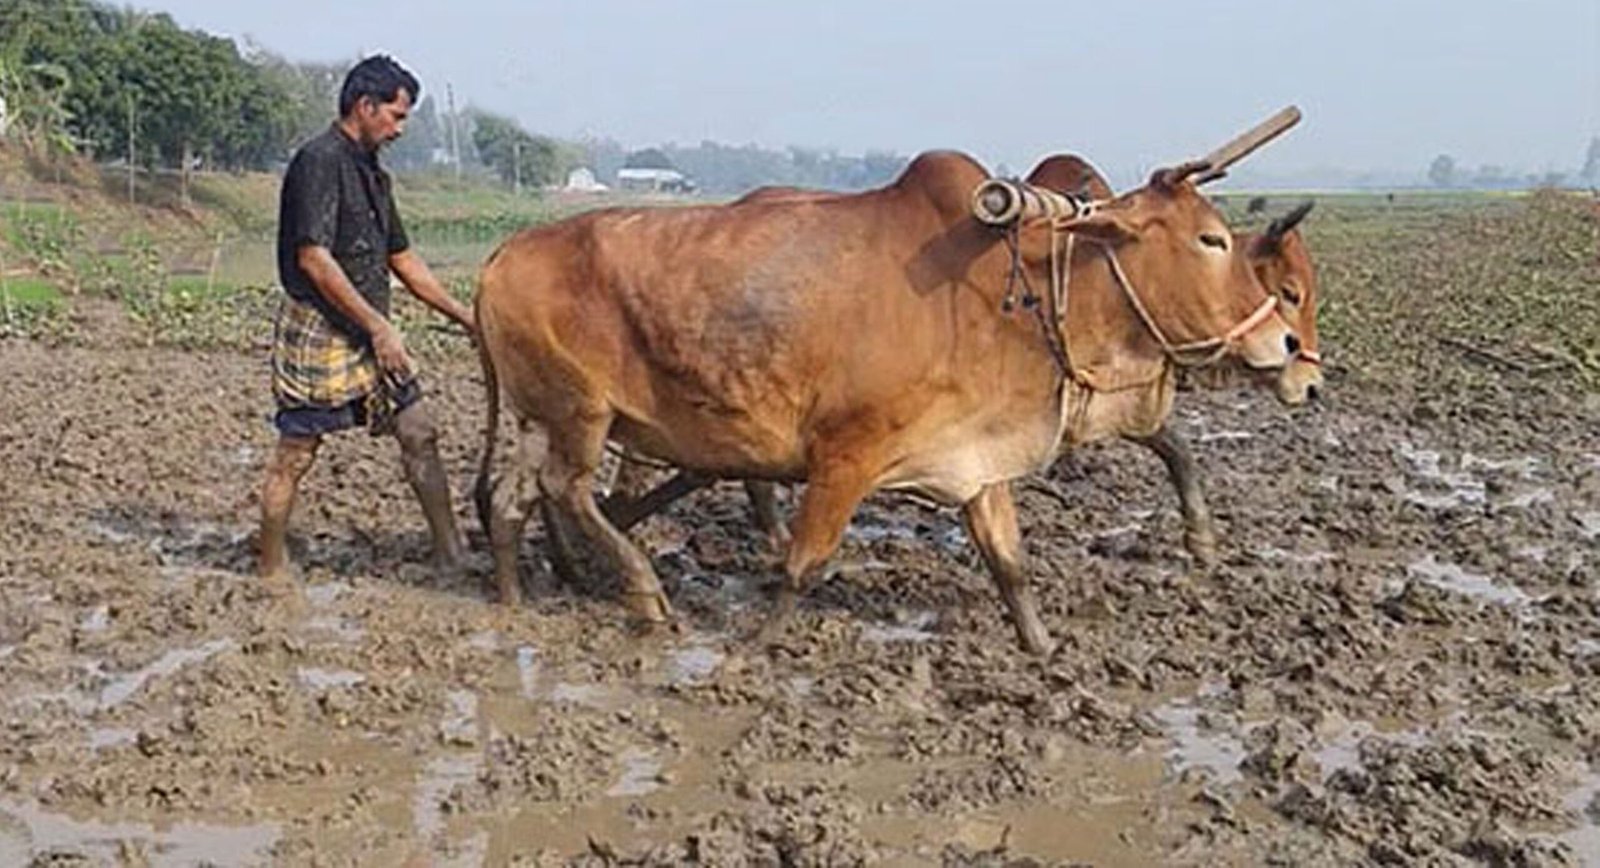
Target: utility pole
x,y
516,165
130,148
455,129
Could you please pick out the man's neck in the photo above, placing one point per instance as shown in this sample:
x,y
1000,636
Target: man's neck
x,y
352,132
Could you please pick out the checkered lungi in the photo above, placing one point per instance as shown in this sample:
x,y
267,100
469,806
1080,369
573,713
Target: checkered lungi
x,y
324,381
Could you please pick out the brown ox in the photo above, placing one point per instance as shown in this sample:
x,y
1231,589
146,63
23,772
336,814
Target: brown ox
x,y
1280,260
854,343
1282,263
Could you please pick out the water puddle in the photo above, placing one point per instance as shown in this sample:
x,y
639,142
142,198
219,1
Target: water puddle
x,y
597,696
1195,746
461,725
1529,499
1537,554
1273,554
1588,524
106,737
1450,577
27,831
1465,486
97,620
915,628
1581,801
342,630
1119,530
327,593
1225,436
1343,751
871,530
693,664
528,670
801,686
124,686
328,679
439,778
866,530
113,535
641,774
1462,488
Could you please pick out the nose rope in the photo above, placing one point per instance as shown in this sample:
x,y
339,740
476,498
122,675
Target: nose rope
x,y
1180,353
1054,322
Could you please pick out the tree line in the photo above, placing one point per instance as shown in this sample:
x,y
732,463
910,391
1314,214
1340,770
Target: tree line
x,y
1444,171
121,84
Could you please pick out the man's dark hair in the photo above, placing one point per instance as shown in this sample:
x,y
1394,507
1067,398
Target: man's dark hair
x,y
380,77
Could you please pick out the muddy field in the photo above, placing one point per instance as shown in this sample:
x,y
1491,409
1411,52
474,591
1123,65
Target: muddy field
x,y
1398,661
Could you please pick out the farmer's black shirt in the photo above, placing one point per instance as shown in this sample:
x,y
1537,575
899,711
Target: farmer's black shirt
x,y
336,196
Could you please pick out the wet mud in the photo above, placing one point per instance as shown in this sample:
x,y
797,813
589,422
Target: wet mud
x,y
1395,663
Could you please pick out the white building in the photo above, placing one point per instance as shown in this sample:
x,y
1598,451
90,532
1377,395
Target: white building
x,y
654,181
582,180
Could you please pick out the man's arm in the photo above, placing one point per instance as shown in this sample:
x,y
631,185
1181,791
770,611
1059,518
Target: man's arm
x,y
332,283
415,274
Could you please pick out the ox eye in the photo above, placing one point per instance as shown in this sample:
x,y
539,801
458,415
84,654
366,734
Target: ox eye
x,y
1216,241
1290,295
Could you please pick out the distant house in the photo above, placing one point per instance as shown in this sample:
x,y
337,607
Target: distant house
x,y
582,180
654,181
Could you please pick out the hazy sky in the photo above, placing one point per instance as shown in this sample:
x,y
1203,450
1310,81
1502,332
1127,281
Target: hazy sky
x,y
1383,83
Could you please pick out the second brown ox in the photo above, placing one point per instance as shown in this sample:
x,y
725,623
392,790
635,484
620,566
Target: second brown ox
x,y
854,343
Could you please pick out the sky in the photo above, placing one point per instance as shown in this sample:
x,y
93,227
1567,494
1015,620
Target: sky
x,y
1383,84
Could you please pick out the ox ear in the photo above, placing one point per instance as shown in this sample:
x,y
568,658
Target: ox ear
x,y
1105,225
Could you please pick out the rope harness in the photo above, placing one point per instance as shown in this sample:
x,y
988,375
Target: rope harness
x,y
1053,323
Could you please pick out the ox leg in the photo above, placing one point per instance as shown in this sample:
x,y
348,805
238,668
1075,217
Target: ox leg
x,y
825,511
1199,532
764,509
510,501
567,479
991,520
565,558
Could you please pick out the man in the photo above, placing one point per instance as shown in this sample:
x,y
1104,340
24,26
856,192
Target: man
x,y
337,361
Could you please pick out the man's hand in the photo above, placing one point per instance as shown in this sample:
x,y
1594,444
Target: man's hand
x,y
390,349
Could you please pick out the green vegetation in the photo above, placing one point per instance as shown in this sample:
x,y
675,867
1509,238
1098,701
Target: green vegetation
x,y
1505,283
29,306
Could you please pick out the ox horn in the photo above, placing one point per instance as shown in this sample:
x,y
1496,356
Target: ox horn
x,y
1002,201
1174,176
1281,226
1246,143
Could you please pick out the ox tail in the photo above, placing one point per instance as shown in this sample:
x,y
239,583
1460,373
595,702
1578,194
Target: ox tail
x,y
483,489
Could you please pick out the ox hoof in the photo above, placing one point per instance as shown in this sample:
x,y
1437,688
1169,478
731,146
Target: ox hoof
x,y
282,587
1203,548
778,541
772,630
1035,639
507,593
648,607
